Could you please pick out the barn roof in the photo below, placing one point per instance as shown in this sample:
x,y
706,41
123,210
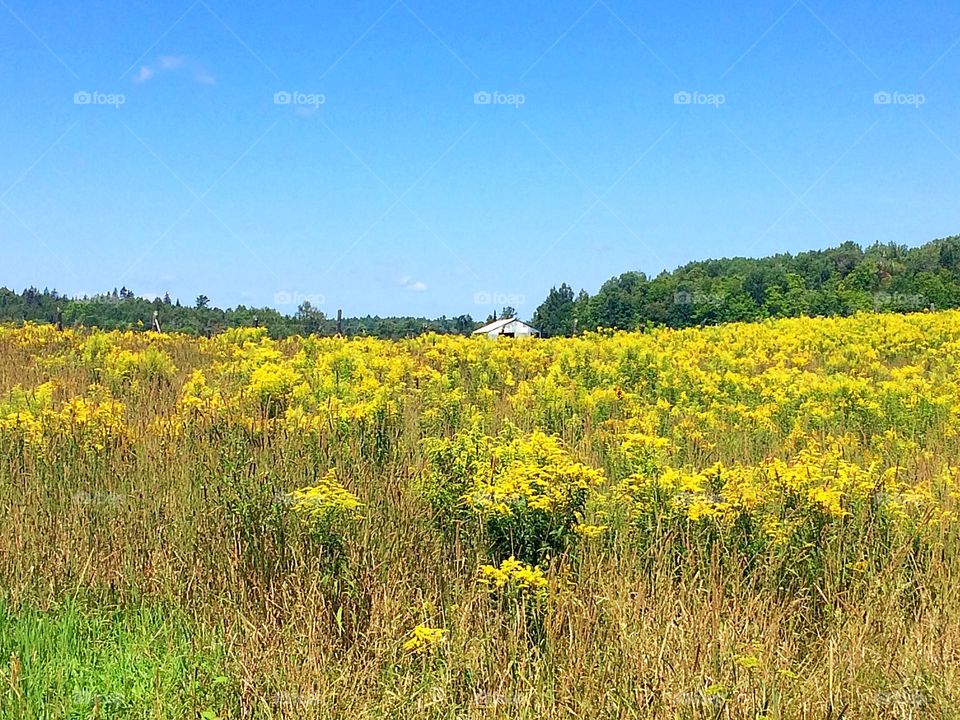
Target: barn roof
x,y
499,325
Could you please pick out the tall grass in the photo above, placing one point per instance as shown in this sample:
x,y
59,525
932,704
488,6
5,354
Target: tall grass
x,y
165,575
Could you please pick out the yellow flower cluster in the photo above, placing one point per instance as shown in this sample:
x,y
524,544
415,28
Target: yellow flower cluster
x,y
197,396
532,473
528,580
590,531
423,639
91,421
271,386
325,499
151,366
779,420
781,493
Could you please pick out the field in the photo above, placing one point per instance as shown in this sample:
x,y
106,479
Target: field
x,y
742,521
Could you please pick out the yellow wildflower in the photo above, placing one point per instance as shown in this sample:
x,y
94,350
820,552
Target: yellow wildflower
x,y
423,639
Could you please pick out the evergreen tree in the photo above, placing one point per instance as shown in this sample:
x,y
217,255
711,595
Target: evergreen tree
x,y
555,315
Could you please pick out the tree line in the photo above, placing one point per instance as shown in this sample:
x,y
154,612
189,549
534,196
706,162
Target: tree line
x,y
123,310
835,281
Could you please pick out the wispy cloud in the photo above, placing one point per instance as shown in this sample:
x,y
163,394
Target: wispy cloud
x,y
171,63
408,283
144,74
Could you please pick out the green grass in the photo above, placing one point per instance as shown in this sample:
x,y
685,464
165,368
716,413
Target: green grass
x,y
74,662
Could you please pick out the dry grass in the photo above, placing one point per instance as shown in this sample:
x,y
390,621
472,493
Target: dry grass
x,y
184,544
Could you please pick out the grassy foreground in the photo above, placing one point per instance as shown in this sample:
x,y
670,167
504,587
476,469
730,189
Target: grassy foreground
x,y
741,521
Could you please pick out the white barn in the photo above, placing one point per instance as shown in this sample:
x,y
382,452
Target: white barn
x,y
507,327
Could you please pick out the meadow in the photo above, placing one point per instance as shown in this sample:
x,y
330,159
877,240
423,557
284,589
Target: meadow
x,y
739,521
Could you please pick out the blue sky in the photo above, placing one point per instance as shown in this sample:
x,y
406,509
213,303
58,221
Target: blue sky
x,y
427,158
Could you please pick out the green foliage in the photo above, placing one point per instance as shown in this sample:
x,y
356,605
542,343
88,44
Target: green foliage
x,y
555,316
453,464
835,281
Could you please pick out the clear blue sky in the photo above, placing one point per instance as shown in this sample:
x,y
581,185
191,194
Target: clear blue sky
x,y
384,186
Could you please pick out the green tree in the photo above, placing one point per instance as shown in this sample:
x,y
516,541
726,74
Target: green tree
x,y
310,318
554,317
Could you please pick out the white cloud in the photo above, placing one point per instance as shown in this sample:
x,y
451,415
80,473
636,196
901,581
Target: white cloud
x,y
144,74
171,63
412,285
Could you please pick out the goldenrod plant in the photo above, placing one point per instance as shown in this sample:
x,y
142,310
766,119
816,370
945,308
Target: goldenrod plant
x,y
746,520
